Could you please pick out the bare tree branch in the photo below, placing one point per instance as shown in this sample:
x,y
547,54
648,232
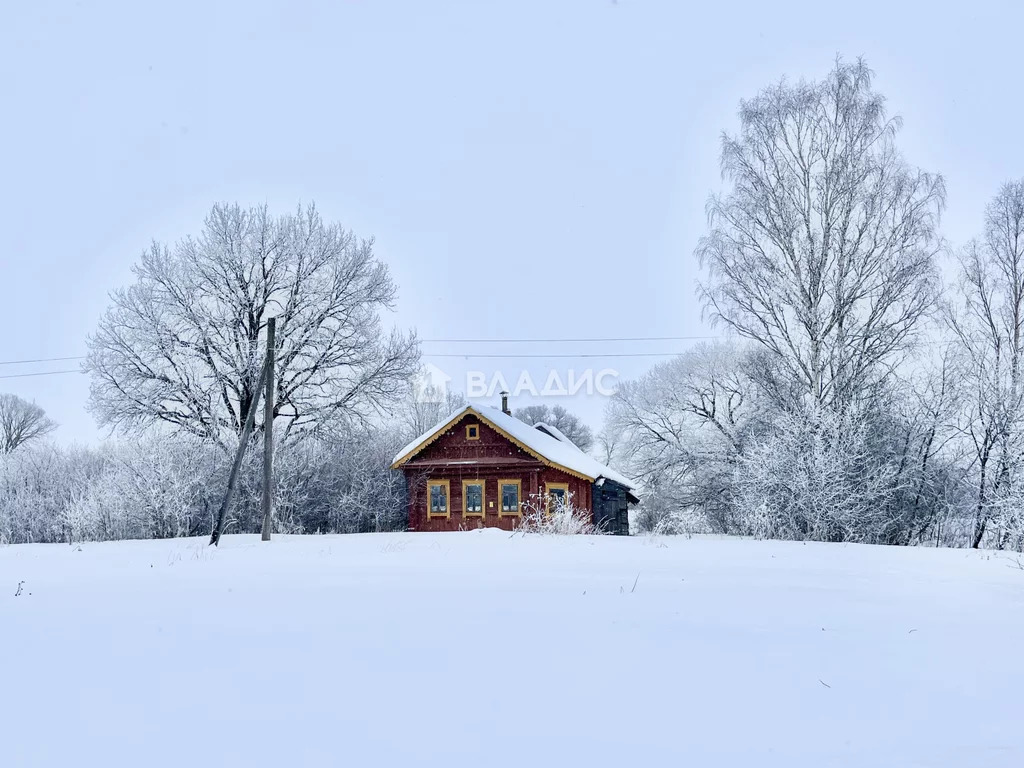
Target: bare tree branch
x,y
21,422
823,251
183,344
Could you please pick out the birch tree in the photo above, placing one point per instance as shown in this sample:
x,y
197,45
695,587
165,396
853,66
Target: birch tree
x,y
822,251
184,344
987,324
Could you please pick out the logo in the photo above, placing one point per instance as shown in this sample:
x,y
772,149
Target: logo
x,y
431,385
587,382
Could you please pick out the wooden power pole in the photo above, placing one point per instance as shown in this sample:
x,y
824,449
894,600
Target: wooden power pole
x,y
268,435
243,440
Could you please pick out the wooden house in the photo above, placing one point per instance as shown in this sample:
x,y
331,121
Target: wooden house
x,y
478,468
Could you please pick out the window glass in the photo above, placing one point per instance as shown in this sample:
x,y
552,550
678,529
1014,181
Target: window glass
x,y
438,498
475,498
509,498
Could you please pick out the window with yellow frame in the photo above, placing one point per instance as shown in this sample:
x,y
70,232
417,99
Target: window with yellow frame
x,y
472,431
473,498
437,499
555,495
510,494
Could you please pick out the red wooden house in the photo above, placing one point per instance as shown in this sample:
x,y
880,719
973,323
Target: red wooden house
x,y
479,466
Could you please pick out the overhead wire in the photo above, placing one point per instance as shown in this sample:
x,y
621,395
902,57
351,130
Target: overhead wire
x,y
465,355
39,373
568,341
41,360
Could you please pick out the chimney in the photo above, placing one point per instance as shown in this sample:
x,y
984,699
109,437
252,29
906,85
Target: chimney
x,y
504,403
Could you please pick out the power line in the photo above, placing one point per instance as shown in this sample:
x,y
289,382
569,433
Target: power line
x,y
466,355
40,373
552,341
542,356
41,360
450,355
450,341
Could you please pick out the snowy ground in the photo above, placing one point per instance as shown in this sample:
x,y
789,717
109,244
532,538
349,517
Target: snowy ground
x,y
480,649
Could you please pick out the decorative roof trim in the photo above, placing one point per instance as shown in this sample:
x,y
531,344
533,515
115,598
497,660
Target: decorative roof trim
x,y
470,409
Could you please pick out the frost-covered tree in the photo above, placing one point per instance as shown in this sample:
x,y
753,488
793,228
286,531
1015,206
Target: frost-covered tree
x,y
987,324
808,480
37,485
184,344
164,485
154,488
681,427
340,483
569,424
875,475
715,452
424,407
822,250
21,422
821,255
609,443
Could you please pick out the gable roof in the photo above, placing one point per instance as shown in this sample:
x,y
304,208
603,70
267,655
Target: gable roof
x,y
555,432
540,444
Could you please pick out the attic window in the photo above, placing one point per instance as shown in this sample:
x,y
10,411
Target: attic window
x,y
472,431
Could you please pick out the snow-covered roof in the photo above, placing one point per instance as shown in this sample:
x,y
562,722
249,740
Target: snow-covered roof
x,y
558,451
555,432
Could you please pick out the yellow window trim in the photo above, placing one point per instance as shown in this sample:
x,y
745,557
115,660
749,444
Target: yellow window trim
x,y
548,488
447,514
472,428
483,497
483,419
501,498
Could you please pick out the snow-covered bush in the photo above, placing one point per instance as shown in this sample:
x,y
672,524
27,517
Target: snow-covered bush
x,y
817,476
337,485
37,483
552,515
1005,509
154,488
162,486
683,522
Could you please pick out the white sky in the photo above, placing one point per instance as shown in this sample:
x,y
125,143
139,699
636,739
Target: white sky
x,y
556,152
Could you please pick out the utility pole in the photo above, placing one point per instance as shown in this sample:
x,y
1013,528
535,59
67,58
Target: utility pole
x,y
243,440
268,434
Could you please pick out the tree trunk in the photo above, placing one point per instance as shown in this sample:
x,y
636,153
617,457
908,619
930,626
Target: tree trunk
x,y
268,434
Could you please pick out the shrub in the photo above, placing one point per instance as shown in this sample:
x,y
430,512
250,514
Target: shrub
x,y
555,516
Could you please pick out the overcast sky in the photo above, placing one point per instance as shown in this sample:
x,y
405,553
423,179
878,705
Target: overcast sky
x,y
529,169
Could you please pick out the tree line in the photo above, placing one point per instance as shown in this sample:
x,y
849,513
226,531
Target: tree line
x,y
860,398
